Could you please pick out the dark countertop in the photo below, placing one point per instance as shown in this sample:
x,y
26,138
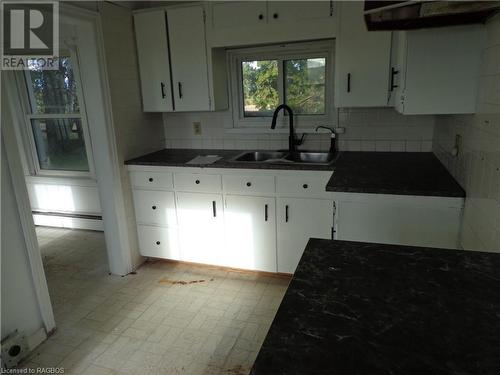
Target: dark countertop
x,y
404,173
179,158
356,308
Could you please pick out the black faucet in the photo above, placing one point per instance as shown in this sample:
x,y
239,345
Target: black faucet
x,y
292,142
333,147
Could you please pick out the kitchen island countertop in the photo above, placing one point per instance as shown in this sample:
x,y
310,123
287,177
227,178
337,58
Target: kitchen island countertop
x,y
355,308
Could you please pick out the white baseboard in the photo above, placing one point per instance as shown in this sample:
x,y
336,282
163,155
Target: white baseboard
x,y
36,339
67,222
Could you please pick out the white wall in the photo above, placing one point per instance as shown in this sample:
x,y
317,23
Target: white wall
x,y
367,129
477,168
20,308
136,132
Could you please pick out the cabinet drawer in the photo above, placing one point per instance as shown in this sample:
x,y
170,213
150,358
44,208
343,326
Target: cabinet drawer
x,y
155,207
248,184
158,180
198,182
158,242
303,185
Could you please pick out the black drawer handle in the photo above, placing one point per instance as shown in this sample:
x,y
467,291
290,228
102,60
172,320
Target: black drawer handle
x,y
286,214
348,82
249,184
150,179
261,16
153,207
275,15
393,74
158,242
197,182
305,186
214,208
266,214
163,90
179,88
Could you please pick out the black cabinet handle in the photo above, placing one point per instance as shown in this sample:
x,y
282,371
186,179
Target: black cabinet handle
x,y
197,182
157,242
150,179
348,82
393,74
163,95
266,214
305,186
275,15
179,87
249,184
153,207
214,208
286,214
261,16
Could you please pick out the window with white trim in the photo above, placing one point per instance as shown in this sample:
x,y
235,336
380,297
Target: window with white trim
x,y
57,128
298,74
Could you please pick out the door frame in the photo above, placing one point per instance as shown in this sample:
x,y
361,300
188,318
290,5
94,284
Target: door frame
x,y
87,31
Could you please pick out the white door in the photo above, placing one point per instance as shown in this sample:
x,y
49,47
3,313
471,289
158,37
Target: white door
x,y
293,11
362,61
154,64
155,207
298,220
230,15
186,30
250,232
201,227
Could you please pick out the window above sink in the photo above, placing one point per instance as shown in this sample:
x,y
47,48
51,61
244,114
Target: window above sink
x,y
298,74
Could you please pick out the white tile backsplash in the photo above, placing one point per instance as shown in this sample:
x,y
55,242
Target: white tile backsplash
x,y
477,167
367,129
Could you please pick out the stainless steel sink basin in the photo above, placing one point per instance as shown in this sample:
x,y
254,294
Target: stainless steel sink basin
x,y
279,157
311,157
261,156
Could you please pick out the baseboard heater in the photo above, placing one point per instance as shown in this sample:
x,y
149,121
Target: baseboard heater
x,y
68,220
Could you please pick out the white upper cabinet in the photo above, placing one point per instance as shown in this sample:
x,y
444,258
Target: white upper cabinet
x,y
188,57
439,70
178,72
299,11
238,14
362,60
239,23
154,63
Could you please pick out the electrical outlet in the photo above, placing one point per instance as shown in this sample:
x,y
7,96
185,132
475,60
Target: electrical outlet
x,y
197,128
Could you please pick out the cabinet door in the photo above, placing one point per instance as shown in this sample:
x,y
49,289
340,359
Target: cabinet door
x,y
362,61
186,27
293,11
201,227
154,65
155,207
298,220
250,233
238,14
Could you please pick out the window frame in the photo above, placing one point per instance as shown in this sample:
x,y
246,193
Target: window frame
x,y
23,80
281,52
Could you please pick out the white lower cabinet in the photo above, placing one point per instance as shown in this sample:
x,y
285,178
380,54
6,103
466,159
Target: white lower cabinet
x,y
250,232
159,242
201,227
298,220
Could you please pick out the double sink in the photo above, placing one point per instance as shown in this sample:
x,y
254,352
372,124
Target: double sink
x,y
282,157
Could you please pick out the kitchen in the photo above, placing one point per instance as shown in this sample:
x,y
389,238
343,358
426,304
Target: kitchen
x,y
293,187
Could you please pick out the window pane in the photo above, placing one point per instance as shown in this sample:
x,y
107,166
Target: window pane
x,y
53,91
60,144
305,85
260,87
